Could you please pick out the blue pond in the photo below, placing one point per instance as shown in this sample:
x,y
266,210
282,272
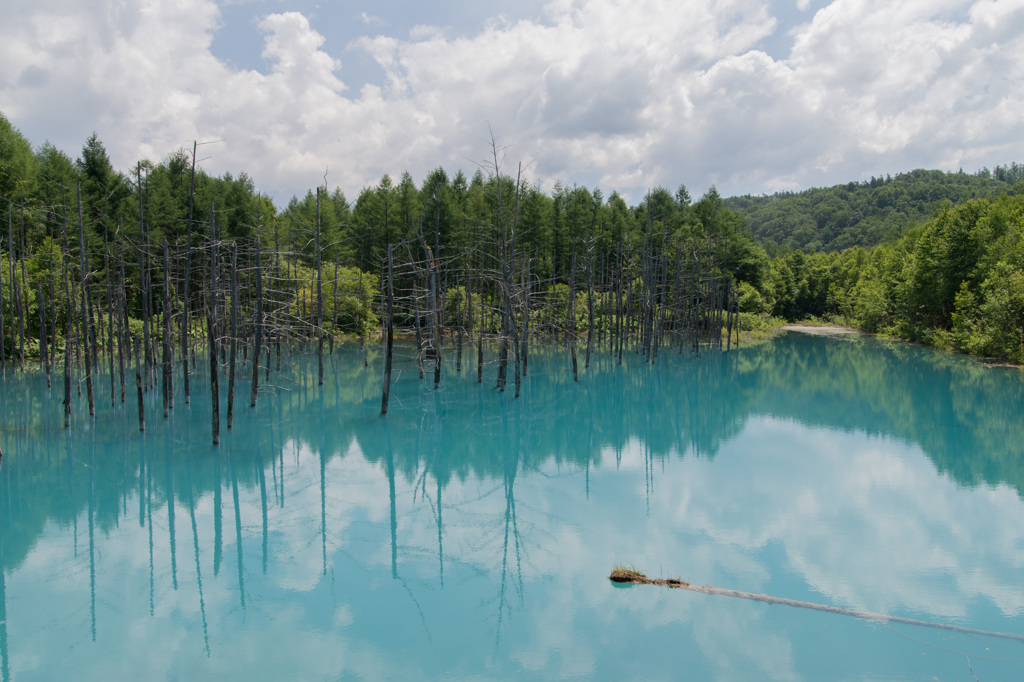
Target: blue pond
x,y
470,535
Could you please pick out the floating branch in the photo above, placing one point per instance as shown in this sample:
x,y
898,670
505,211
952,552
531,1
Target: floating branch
x,y
622,575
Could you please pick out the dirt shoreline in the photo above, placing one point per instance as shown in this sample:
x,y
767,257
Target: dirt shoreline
x,y
824,330
836,330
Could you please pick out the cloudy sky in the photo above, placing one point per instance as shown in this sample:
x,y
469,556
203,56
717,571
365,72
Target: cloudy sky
x,y
750,95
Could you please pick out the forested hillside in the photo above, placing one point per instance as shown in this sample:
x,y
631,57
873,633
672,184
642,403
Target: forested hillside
x,y
866,213
955,282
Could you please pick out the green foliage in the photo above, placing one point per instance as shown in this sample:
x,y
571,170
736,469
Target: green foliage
x,y
866,213
298,226
991,323
945,262
869,303
750,299
458,304
351,311
759,323
956,282
800,285
18,167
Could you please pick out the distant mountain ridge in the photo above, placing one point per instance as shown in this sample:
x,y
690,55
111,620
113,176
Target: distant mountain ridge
x,y
866,213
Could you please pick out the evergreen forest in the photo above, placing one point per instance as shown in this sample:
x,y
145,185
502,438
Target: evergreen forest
x,y
101,265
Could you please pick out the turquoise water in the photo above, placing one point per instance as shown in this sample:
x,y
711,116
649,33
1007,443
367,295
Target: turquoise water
x,y
469,535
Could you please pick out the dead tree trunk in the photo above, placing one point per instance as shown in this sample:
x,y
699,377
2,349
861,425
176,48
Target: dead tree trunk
x,y
67,370
334,309
319,299
570,320
85,305
389,330
23,286
138,385
438,307
44,364
276,322
122,317
211,333
480,332
257,327
11,281
663,305
111,307
590,308
167,387
188,278
436,330
619,323
525,345
3,341
234,334
53,301
144,279
461,324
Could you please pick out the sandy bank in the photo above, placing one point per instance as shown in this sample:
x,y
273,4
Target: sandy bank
x,y
828,330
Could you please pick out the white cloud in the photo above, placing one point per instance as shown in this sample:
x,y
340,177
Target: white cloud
x,y
637,94
825,500
370,20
